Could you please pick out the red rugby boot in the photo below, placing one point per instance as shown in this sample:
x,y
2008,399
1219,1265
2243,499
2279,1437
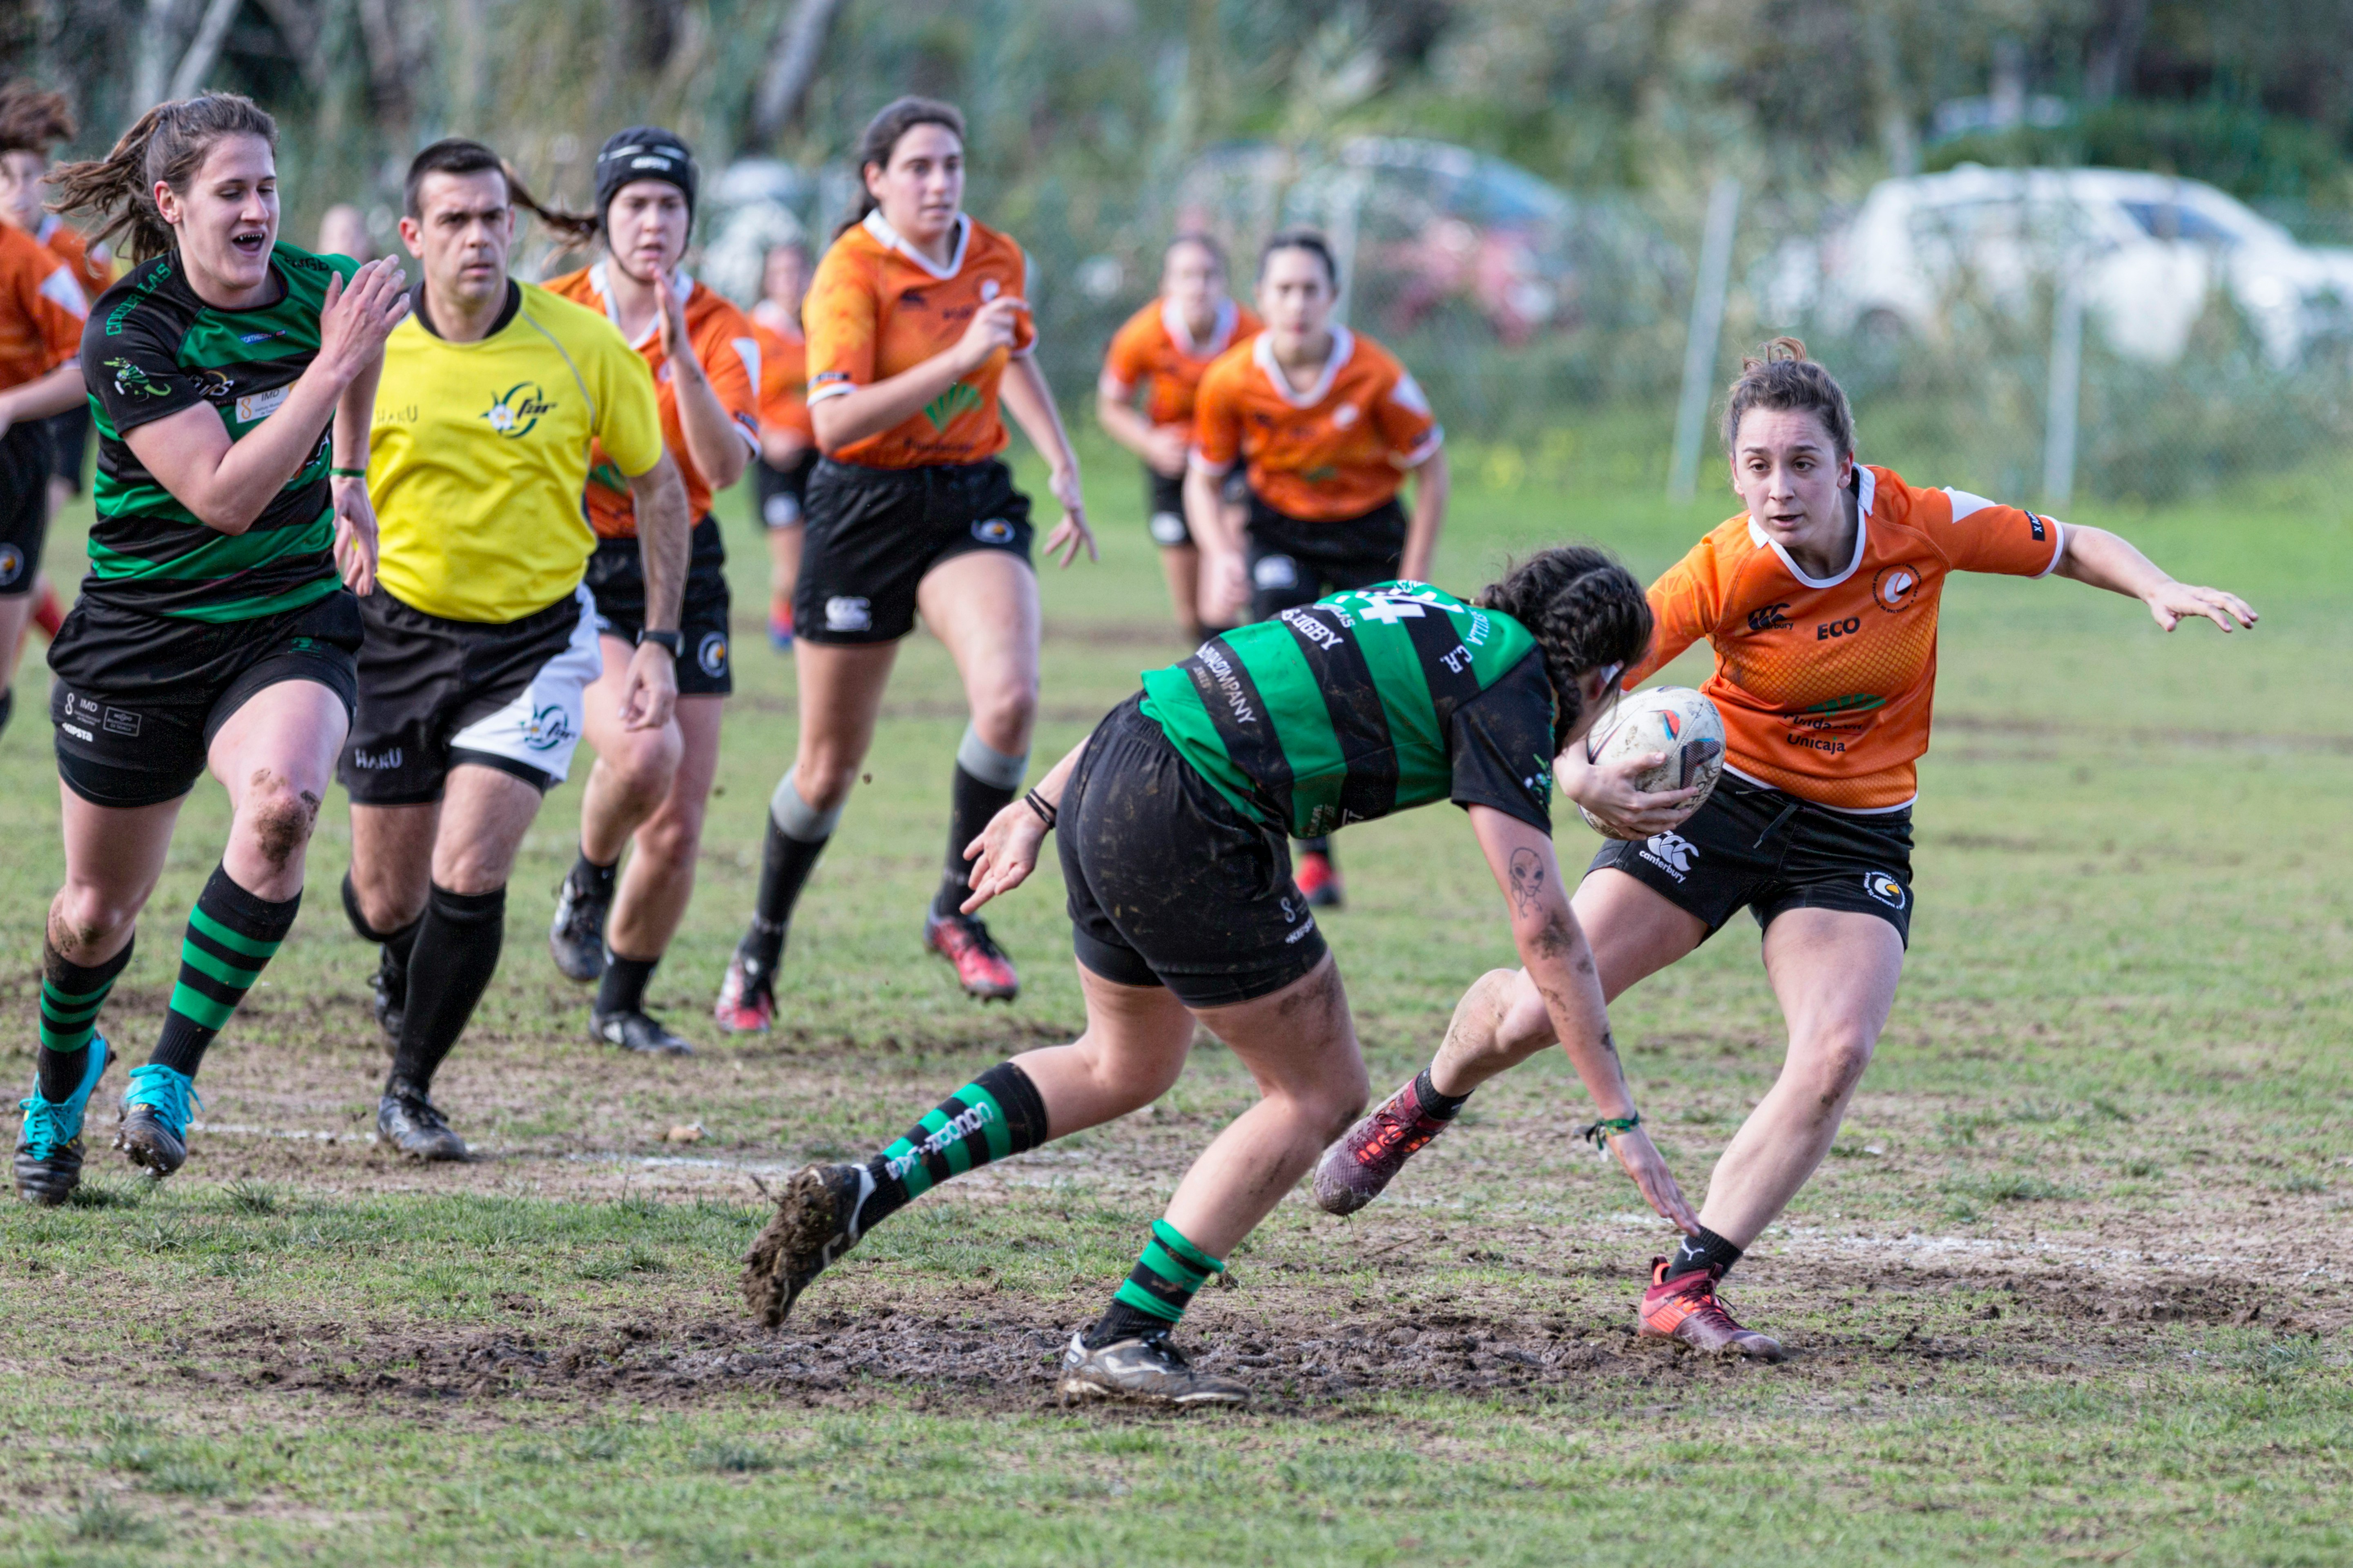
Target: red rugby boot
x,y
981,966
1319,882
745,1006
48,613
1368,1155
1688,1309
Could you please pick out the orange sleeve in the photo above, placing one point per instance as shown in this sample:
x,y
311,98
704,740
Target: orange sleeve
x,y
839,317
1684,607
1216,423
729,351
1129,357
1980,535
1025,326
1405,419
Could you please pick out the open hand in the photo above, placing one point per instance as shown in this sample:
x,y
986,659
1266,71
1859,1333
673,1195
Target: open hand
x,y
1073,531
354,535
1005,854
353,321
671,314
2172,603
1643,1162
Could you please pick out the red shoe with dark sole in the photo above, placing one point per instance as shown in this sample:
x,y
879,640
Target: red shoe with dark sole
x,y
743,1008
1319,883
1369,1155
1687,1308
982,968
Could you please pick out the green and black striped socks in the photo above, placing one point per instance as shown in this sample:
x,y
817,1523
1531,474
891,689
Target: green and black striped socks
x,y
997,1115
232,935
71,995
1158,1289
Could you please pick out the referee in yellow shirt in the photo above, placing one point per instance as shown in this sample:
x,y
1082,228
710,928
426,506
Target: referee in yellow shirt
x,y
481,642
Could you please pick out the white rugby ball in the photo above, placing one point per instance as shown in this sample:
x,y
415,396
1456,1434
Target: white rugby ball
x,y
1674,720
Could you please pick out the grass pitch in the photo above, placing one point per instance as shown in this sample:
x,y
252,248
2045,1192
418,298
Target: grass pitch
x,y
2071,1287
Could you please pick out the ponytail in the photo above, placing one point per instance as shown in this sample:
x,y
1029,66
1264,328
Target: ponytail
x,y
458,155
1587,613
167,147
1780,377
881,138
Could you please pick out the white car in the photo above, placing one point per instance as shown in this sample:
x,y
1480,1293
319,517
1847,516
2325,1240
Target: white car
x,y
2148,252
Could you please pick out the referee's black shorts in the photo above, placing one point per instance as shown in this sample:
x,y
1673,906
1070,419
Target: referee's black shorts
x,y
873,533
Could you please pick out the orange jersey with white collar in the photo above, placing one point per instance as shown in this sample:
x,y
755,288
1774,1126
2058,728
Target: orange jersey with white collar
x,y
93,265
1826,685
42,309
1333,452
783,371
1154,350
728,353
877,307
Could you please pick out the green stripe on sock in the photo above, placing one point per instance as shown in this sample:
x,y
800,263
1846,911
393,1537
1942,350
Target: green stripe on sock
x,y
1182,1275
82,1012
1143,1300
236,942
201,1009
221,969
1169,1236
51,994
994,1131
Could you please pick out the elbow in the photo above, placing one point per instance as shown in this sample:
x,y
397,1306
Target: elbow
x,y
826,423
224,520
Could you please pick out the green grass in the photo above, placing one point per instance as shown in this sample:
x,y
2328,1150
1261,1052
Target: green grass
x,y
2069,1287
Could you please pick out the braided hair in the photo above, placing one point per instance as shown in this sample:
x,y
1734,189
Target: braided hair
x,y
1586,612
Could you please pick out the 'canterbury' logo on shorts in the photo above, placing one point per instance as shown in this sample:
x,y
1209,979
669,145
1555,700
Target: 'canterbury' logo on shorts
x,y
848,614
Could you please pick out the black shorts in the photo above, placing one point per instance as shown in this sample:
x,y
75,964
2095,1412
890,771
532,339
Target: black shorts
x,y
435,693
873,533
616,577
23,504
1170,884
783,493
139,698
69,444
1769,850
1293,563
1164,504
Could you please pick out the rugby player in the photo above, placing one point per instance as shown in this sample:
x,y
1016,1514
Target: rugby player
x,y
43,304
215,627
481,640
1821,603
918,323
788,440
1162,351
650,787
1327,425
1370,702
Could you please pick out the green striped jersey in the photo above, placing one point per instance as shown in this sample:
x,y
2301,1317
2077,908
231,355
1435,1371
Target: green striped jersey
x,y
1362,704
152,349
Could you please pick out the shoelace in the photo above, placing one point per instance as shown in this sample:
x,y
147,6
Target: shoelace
x,y
166,1093
44,1132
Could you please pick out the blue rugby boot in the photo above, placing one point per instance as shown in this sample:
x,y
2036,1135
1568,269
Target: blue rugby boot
x,y
48,1145
155,1115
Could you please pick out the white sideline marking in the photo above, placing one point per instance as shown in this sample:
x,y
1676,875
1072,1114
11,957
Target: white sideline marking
x,y
234,1130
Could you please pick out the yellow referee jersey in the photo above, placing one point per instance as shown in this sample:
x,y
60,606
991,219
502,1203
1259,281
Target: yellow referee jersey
x,y
479,454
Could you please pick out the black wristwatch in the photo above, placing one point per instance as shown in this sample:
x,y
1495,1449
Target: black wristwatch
x,y
670,642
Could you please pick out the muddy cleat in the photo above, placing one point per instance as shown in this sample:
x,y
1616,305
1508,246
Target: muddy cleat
x,y
576,936
746,1006
981,966
1688,1309
1369,1155
1318,879
48,1145
638,1032
390,983
815,1223
155,1116
1146,1368
415,1126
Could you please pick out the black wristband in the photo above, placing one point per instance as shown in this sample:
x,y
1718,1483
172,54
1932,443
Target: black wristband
x,y
670,642
1037,803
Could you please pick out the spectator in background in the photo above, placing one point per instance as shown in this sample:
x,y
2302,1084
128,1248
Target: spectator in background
x,y
788,440
344,232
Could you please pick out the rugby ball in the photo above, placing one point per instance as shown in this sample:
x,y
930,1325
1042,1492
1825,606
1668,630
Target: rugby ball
x,y
1674,720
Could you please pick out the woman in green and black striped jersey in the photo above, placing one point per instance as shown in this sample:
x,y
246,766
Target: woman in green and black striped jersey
x,y
1173,819
216,626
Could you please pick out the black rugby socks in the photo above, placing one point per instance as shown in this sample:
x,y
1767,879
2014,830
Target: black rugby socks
x,y
986,782
1430,1103
71,995
797,833
623,987
1705,1250
455,954
1158,1289
232,935
396,943
996,1116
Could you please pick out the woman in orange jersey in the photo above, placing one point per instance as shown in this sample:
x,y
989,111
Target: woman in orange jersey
x,y
651,787
1162,351
1327,425
919,325
1821,603
788,440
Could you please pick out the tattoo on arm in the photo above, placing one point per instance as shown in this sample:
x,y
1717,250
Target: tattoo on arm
x,y
1527,880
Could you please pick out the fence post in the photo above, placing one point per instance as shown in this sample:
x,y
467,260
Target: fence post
x,y
2066,396
1706,326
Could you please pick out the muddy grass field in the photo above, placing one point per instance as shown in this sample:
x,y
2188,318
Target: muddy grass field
x,y
2073,1286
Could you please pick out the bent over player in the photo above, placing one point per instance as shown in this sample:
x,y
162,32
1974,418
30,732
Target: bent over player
x,y
650,787
481,642
1821,603
230,376
1172,817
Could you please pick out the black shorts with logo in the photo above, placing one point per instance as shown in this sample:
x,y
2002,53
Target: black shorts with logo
x,y
1164,504
873,533
783,493
69,444
1168,883
1295,562
25,465
616,576
139,698
1771,851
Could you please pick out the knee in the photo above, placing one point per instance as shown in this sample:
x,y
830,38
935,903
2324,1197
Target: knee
x,y
1004,717
276,816
86,918
822,776
671,837
1831,1064
1330,1104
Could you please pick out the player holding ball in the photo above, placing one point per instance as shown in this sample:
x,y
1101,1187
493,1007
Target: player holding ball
x,y
1821,603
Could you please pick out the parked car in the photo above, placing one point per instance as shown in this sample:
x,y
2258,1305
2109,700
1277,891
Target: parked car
x,y
2147,251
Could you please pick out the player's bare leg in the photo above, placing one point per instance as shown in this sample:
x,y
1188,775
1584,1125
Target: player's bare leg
x,y
632,777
